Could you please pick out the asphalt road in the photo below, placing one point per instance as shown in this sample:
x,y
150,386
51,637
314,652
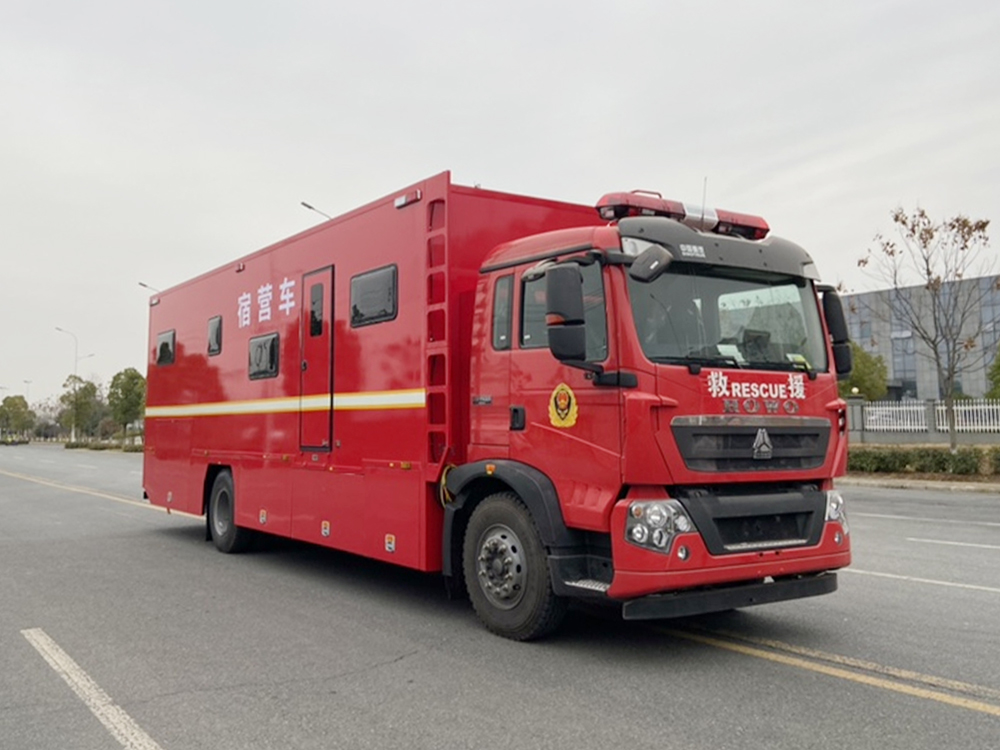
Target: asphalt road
x,y
120,625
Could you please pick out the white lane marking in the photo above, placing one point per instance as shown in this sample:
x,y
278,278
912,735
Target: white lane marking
x,y
46,461
121,726
912,579
84,466
95,493
924,520
954,544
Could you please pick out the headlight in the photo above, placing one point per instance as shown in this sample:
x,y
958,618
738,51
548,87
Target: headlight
x,y
656,516
653,524
835,510
639,534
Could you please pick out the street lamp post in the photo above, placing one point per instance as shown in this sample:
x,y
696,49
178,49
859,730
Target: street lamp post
x,y
312,208
27,392
76,362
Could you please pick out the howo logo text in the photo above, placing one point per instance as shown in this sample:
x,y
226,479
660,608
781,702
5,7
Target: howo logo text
x,y
757,397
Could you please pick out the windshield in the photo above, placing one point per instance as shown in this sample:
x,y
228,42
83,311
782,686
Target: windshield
x,y
728,318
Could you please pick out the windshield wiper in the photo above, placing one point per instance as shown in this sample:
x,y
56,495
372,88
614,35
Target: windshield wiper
x,y
717,360
761,365
788,366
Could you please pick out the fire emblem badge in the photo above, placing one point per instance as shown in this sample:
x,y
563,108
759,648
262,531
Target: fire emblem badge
x,y
562,407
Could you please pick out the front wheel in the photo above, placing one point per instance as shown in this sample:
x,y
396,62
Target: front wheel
x,y
507,572
227,536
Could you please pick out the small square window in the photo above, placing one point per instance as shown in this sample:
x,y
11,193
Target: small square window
x,y
264,352
165,345
215,335
373,297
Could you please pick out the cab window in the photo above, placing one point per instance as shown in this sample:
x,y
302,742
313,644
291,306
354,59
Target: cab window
x,y
534,334
503,294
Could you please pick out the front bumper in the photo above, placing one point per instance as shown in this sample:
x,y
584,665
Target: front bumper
x,y
688,603
690,564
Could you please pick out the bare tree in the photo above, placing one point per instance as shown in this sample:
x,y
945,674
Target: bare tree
x,y
934,290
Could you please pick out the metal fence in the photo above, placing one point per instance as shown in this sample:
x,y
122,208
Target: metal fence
x,y
971,415
895,416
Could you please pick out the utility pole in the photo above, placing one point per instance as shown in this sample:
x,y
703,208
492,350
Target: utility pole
x,y
76,361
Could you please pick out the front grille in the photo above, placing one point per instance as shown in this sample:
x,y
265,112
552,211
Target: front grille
x,y
722,444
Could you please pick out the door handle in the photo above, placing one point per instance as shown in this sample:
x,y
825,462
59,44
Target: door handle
x,y
518,418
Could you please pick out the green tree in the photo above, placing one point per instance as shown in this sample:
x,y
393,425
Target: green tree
x,y
870,376
15,416
933,291
83,406
993,378
127,398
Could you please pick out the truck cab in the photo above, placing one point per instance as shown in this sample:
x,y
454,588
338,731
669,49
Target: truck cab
x,y
660,395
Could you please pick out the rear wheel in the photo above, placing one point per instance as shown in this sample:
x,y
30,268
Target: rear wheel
x,y
507,572
227,536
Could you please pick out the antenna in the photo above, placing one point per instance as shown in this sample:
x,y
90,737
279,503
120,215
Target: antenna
x,y
704,199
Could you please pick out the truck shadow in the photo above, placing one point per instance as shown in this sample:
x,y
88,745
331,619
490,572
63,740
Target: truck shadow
x,y
390,592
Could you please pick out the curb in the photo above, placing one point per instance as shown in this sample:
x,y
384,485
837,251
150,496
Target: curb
x,y
917,484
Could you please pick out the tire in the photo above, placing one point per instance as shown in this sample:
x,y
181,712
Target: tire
x,y
507,571
227,536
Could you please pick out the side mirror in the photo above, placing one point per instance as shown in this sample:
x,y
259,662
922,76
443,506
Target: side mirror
x,y
836,324
568,343
564,313
833,311
843,360
650,264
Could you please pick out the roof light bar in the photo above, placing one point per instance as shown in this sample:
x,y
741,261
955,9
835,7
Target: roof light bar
x,y
742,225
614,206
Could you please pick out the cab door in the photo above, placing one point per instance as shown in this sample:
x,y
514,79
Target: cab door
x,y
491,407
316,367
571,428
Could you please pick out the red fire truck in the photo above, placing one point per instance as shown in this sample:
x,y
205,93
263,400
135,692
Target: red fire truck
x,y
542,401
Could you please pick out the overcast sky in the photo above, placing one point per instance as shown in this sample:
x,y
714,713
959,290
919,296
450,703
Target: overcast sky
x,y
152,141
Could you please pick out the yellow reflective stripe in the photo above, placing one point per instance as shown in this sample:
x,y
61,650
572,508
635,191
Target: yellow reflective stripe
x,y
411,399
415,398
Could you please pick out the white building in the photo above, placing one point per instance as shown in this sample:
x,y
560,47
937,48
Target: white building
x,y
874,325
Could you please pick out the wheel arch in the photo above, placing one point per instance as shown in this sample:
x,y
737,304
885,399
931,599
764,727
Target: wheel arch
x,y
471,483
